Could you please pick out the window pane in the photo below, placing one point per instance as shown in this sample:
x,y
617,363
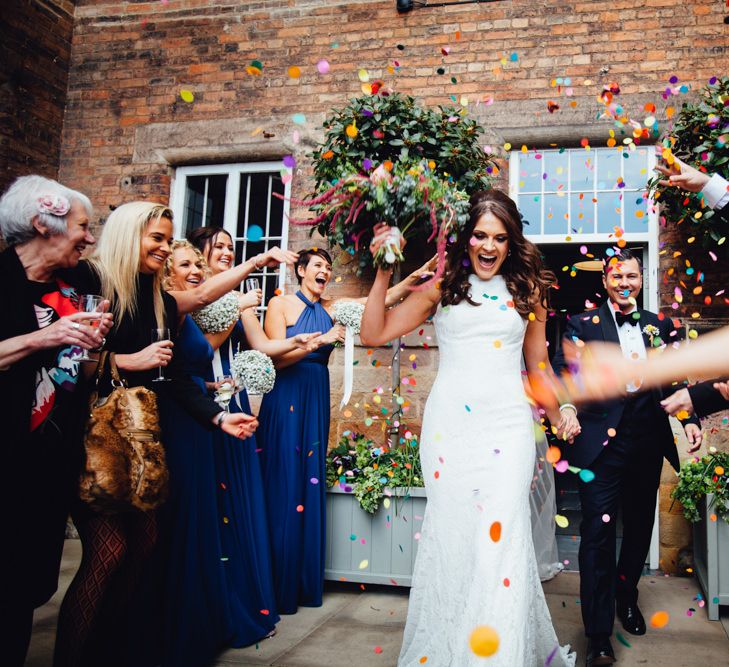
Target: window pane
x,y
530,207
635,168
636,212
555,212
582,216
556,170
608,169
530,172
583,171
609,206
204,201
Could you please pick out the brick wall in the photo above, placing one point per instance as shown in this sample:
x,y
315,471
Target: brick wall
x,y
35,50
126,127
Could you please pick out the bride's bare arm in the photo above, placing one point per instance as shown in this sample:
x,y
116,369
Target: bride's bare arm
x,y
380,325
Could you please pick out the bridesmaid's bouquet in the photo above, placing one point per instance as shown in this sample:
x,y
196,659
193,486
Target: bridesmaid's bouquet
x,y
349,315
254,370
219,315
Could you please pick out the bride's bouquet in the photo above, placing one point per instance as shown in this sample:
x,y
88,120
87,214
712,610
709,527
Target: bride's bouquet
x,y
254,370
219,315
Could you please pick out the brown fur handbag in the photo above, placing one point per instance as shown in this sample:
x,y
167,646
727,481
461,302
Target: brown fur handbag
x,y
125,460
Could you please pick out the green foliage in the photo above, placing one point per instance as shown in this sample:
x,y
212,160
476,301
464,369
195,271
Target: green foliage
x,y
357,464
393,130
699,477
700,137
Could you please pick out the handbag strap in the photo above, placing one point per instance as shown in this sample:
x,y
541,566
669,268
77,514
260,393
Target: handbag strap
x,y
116,379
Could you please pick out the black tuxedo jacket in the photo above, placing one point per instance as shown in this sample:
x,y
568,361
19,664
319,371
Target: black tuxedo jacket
x,y
706,399
598,417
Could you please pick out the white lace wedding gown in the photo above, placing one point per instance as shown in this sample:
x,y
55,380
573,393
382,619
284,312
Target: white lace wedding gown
x,y
478,450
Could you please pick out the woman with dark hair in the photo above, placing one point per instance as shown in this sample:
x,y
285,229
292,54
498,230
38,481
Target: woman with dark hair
x,y
294,432
476,564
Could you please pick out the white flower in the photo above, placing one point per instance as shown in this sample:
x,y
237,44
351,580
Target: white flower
x,y
651,330
349,314
254,370
219,315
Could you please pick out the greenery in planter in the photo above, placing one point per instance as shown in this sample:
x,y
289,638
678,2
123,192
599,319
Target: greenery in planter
x,y
357,464
700,137
699,477
393,132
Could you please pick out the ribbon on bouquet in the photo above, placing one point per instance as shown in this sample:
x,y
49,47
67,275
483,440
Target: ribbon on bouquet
x,y
348,365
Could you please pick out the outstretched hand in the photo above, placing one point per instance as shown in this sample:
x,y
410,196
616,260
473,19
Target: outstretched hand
x,y
275,256
679,174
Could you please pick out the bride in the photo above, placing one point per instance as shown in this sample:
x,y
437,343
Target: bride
x,y
476,565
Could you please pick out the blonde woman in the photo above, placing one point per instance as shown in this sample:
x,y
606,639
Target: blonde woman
x,y
127,269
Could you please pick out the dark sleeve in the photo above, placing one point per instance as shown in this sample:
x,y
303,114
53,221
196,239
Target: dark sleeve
x,y
672,334
182,388
722,213
573,331
706,399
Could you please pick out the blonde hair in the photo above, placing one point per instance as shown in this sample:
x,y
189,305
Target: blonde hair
x,y
176,245
118,254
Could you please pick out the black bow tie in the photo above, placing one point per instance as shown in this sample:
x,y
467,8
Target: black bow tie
x,y
622,319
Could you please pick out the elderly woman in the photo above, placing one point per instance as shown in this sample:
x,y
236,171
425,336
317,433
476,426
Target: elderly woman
x,y
46,227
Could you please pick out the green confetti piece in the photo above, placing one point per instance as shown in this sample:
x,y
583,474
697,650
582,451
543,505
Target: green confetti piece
x,y
622,639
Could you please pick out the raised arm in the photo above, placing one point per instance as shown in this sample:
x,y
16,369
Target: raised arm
x,y
222,283
380,325
274,348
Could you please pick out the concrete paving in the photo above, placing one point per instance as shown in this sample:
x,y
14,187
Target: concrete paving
x,y
356,620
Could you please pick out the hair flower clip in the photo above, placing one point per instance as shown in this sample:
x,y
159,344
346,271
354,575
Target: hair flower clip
x,y
56,205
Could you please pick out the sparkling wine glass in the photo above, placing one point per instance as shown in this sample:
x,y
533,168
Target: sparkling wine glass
x,y
88,303
227,388
159,335
252,284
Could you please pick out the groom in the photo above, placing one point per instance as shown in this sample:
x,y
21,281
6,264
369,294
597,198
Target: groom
x,y
623,442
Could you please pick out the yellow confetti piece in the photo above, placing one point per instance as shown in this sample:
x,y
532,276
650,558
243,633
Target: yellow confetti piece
x,y
561,521
497,344
364,564
363,75
484,641
187,95
507,146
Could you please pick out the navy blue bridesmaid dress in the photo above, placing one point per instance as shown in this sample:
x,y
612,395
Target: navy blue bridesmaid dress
x,y
208,572
293,436
242,503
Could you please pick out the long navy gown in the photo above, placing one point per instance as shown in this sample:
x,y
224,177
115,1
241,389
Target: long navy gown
x,y
208,574
293,435
242,502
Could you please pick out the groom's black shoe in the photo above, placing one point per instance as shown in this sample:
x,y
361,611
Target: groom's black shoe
x,y
631,618
599,652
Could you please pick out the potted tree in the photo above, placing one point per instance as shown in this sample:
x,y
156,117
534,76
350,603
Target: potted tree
x,y
375,508
703,492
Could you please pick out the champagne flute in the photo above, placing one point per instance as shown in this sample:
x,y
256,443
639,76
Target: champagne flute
x,y
88,303
225,391
252,284
159,335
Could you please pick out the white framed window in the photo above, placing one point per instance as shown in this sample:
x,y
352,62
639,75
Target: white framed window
x,y
239,198
574,195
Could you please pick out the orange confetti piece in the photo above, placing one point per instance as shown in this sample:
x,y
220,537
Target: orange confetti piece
x,y
554,454
495,531
660,619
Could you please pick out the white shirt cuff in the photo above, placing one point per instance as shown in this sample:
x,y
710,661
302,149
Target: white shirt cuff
x,y
715,192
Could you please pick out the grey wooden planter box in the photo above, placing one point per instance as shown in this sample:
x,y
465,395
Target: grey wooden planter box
x,y
386,539
711,559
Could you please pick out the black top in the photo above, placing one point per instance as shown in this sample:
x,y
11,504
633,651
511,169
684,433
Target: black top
x,y
134,333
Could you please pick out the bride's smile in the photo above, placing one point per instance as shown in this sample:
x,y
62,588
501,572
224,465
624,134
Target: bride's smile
x,y
488,246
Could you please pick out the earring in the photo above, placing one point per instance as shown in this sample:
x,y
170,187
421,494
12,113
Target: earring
x,y
508,254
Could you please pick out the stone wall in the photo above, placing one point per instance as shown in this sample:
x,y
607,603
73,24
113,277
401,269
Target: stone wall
x,y
35,50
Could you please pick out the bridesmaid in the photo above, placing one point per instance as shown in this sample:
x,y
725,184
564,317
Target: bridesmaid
x,y
294,431
240,489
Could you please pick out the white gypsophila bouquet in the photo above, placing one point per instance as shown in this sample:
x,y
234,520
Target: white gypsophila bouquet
x,y
219,315
349,314
254,370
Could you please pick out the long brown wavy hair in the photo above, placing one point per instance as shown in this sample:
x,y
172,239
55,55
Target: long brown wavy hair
x,y
527,279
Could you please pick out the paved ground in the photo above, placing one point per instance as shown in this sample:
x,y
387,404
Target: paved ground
x,y
345,631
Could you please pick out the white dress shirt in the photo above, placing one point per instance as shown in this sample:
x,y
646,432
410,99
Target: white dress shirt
x,y
715,192
631,343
